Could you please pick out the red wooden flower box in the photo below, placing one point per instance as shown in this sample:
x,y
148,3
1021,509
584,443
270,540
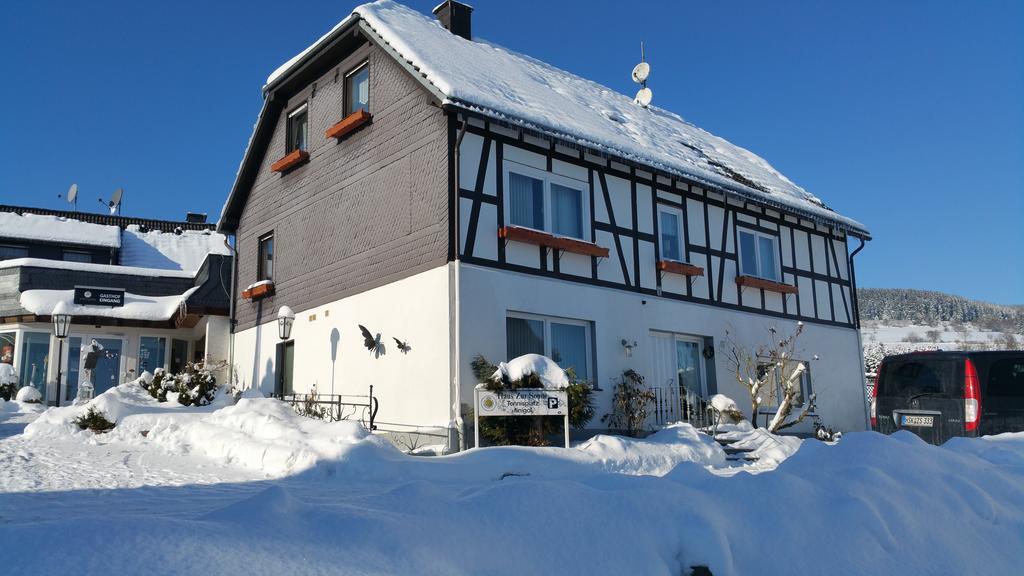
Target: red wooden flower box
x,y
290,160
530,236
349,124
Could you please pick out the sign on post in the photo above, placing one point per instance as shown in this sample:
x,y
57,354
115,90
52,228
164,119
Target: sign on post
x,y
88,296
521,402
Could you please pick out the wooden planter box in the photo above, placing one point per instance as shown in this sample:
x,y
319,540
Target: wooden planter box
x,y
770,285
680,268
349,124
290,160
259,291
539,238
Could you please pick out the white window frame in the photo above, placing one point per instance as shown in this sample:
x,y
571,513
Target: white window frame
x,y
678,213
289,131
757,254
548,178
346,104
547,320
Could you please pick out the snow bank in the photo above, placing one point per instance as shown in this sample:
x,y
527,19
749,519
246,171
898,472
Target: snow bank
x,y
60,230
29,394
260,434
116,404
509,86
550,373
165,250
656,455
769,449
136,307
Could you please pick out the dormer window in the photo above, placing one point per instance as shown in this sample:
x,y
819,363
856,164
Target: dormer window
x,y
12,252
298,129
77,256
357,89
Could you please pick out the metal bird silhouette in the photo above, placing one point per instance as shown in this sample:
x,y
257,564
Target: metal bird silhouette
x,y
372,343
403,346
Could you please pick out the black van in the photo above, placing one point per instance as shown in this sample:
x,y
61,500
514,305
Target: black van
x,y
939,395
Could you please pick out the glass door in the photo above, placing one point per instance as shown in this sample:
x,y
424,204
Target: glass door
x,y
690,365
97,359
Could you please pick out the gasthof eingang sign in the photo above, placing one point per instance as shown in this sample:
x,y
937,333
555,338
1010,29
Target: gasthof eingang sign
x,y
522,402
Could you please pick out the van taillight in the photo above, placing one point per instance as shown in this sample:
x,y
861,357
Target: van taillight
x,y
972,397
874,399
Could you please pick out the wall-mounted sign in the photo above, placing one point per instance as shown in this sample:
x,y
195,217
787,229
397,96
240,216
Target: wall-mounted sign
x,y
521,402
88,296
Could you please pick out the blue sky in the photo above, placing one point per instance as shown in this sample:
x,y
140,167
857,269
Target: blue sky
x,y
908,116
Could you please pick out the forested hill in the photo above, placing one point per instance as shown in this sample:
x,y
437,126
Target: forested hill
x,y
929,308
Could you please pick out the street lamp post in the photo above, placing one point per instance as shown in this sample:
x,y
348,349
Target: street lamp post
x,y
61,324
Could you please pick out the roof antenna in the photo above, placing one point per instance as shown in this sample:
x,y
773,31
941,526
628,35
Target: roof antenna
x,y
115,202
72,196
640,73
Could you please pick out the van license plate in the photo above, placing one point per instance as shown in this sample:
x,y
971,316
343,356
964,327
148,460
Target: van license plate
x,y
923,421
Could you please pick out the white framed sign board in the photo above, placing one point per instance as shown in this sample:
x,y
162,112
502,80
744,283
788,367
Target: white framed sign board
x,y
520,402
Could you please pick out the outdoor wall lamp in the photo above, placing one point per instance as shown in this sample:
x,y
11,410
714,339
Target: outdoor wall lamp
x,y
285,319
629,347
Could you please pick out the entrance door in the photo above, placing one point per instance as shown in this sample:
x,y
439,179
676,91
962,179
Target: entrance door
x,y
179,355
101,354
677,370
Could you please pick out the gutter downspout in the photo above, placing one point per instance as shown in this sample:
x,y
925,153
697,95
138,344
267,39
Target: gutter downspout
x,y
454,294
860,340
231,310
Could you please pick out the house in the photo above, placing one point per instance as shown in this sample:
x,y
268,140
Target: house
x,y
151,293
464,199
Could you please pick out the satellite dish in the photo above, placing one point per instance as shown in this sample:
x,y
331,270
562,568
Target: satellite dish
x,y
115,200
73,194
640,72
643,97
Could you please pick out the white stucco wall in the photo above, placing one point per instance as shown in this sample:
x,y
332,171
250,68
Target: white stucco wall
x,y
413,388
488,294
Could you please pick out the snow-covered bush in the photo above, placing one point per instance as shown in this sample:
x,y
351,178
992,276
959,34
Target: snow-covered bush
x,y
531,371
630,404
731,413
29,395
195,386
760,369
8,381
94,420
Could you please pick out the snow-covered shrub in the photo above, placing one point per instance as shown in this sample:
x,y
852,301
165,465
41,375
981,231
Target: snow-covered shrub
x,y
630,404
731,413
195,386
8,381
29,395
531,371
760,369
94,420
825,433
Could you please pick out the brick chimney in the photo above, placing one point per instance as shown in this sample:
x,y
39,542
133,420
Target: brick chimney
x,y
456,17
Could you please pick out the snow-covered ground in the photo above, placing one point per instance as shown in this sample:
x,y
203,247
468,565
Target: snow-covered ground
x,y
254,489
944,336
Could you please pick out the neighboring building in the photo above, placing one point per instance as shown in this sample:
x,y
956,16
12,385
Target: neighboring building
x,y
468,200
175,278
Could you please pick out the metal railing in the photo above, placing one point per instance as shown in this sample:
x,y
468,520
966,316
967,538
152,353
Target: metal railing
x,y
335,407
678,404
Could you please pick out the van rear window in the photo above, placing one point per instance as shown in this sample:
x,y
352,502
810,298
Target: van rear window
x,y
906,378
1006,378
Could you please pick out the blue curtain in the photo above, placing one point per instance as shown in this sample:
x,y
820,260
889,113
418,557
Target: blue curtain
x,y
569,348
766,254
526,201
523,337
669,223
566,211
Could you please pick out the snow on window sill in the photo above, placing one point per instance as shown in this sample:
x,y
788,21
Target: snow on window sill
x,y
259,290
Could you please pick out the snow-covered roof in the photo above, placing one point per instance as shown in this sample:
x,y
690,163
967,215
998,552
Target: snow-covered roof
x,y
88,267
499,83
169,251
136,307
42,228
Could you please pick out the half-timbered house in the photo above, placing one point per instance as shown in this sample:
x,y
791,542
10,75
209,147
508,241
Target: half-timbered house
x,y
465,199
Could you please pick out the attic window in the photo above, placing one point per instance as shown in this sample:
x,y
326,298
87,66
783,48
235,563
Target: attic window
x,y
12,252
357,89
298,128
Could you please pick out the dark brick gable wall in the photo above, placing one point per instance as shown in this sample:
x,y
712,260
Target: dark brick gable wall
x,y
363,212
